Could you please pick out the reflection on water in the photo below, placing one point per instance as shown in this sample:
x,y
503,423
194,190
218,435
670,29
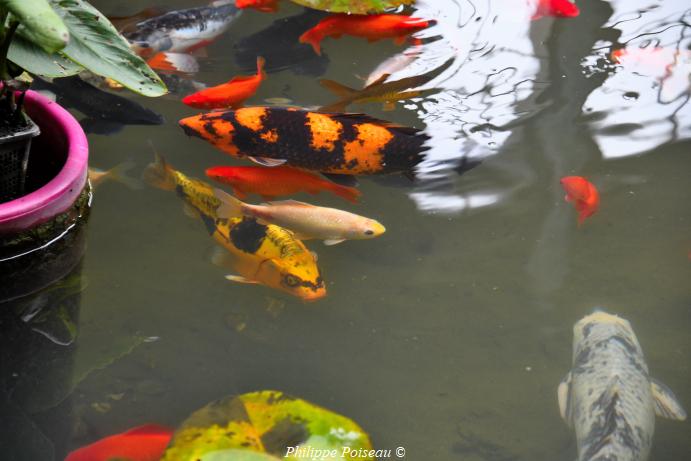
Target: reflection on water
x,y
449,334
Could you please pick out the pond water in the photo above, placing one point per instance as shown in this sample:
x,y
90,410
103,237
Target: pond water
x,y
449,334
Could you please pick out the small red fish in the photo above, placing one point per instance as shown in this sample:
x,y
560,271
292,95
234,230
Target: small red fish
x,y
229,94
143,443
583,194
265,6
556,8
277,181
372,27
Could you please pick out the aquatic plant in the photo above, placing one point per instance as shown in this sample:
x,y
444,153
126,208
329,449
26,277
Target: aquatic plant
x,y
353,6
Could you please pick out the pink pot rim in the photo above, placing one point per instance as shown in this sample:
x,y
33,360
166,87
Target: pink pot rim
x,y
60,192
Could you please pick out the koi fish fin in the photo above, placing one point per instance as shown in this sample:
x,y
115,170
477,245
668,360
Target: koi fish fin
x,y
209,223
313,39
270,162
230,207
174,62
119,174
329,242
315,256
260,66
380,81
388,106
666,403
150,429
240,279
339,106
400,40
364,118
190,211
337,88
220,257
342,179
159,173
564,396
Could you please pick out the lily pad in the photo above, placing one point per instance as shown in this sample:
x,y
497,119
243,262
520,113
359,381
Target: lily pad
x,y
353,6
265,426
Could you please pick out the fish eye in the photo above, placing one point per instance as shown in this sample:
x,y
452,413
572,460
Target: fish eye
x,y
291,280
369,232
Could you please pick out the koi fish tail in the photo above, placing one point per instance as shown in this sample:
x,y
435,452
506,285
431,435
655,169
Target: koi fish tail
x,y
159,173
313,39
230,207
349,193
260,66
119,174
337,88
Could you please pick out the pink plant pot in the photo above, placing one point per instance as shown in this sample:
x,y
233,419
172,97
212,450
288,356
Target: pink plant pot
x,y
64,139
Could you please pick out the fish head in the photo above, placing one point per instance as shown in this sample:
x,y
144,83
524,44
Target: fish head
x,y
298,278
599,326
367,229
214,127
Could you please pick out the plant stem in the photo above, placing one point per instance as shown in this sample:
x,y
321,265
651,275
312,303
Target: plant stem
x,y
4,48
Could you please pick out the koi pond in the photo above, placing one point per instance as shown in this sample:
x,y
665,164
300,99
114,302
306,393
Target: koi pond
x,y
449,333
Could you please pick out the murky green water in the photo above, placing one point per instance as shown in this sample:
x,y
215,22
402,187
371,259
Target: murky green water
x,y
449,334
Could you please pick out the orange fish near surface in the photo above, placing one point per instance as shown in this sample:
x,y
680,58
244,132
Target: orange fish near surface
x,y
350,144
143,443
265,6
556,8
372,27
583,194
275,182
229,94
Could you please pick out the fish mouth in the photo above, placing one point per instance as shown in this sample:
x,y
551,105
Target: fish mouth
x,y
186,125
309,295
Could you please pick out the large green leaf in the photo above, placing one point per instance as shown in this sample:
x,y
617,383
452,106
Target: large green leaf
x,y
95,44
261,426
39,23
35,60
353,6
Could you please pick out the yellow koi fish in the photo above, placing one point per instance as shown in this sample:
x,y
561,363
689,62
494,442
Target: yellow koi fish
x,y
306,221
265,254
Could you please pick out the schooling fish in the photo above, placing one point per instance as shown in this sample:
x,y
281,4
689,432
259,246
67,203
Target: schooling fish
x,y
608,396
350,144
105,113
183,30
381,91
583,194
265,6
275,182
372,27
230,94
264,254
557,8
144,443
306,221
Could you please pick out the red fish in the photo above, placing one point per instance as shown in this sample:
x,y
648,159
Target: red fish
x,y
174,62
265,6
556,8
583,194
229,94
372,27
276,181
143,443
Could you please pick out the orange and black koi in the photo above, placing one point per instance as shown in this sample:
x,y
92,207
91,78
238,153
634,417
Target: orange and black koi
x,y
351,144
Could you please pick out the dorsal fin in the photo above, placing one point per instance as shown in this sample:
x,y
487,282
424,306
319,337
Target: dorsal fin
x,y
364,118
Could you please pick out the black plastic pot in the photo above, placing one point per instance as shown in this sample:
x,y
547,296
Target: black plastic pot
x,y
14,159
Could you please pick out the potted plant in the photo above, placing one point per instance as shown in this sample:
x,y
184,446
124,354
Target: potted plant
x,y
46,194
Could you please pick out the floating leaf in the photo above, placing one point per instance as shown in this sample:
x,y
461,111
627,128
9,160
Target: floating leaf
x,y
39,23
262,426
353,6
95,44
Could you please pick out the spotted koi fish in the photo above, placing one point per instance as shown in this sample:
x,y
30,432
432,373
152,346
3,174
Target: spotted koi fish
x,y
608,397
350,144
264,254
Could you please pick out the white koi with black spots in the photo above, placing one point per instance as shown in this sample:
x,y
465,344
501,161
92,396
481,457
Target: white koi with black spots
x,y
608,396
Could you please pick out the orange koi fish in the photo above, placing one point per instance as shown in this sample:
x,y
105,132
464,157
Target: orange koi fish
x,y
372,27
143,443
556,8
275,182
338,143
230,94
583,194
174,62
265,6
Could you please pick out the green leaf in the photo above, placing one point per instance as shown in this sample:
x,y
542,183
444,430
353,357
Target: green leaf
x,y
261,426
353,6
96,45
35,60
39,23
